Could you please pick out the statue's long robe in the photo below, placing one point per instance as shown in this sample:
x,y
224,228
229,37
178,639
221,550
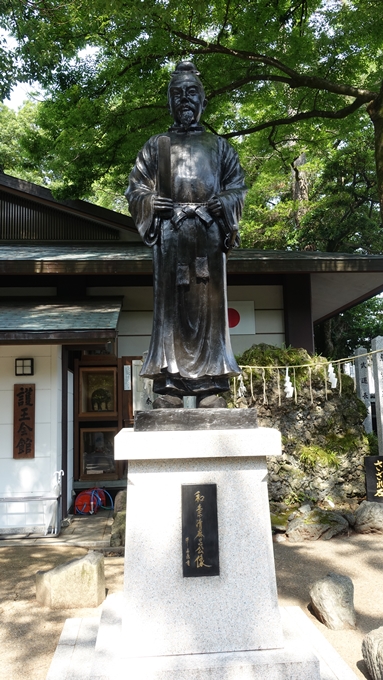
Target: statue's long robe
x,y
190,346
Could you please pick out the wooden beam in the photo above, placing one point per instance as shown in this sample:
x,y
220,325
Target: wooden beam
x,y
297,311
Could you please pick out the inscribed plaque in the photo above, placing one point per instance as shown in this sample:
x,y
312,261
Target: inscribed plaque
x,y
200,555
374,478
24,421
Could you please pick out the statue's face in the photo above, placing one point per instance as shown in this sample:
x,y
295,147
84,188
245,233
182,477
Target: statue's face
x,y
187,101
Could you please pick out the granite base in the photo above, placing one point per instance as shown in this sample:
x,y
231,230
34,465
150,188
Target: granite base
x,y
294,661
166,613
79,657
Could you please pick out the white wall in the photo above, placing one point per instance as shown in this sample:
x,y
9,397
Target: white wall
x,y
269,319
135,324
36,475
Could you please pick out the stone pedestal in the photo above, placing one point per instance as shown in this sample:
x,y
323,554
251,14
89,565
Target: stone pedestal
x,y
220,627
166,626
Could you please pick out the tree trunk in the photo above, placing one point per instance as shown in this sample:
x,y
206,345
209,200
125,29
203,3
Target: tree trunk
x,y
327,338
300,188
375,110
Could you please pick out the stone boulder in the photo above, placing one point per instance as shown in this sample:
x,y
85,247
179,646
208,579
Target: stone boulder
x,y
323,438
332,601
316,524
118,530
372,650
369,518
119,502
78,583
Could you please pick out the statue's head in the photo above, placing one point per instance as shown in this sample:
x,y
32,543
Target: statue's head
x,y
186,96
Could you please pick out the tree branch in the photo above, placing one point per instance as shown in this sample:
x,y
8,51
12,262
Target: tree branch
x,y
304,115
223,27
296,79
248,79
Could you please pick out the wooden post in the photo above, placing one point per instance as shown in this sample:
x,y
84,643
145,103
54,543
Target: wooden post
x,y
363,385
377,362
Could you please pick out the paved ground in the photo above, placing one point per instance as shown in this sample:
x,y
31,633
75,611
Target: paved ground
x,y
85,531
29,633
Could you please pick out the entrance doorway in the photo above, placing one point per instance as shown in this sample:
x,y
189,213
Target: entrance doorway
x,y
100,393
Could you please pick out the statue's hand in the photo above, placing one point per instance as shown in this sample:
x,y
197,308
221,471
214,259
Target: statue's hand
x,y
163,207
214,207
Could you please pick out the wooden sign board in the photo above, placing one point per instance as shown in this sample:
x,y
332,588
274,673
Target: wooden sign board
x,y
24,421
374,478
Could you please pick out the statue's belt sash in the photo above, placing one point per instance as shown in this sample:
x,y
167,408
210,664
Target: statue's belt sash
x,y
184,211
201,267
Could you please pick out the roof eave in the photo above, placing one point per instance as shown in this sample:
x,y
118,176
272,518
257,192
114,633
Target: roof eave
x,y
89,211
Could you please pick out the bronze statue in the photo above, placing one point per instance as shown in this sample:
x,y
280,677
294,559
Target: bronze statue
x,y
186,195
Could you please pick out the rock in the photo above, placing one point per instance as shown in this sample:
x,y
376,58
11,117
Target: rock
x,y
332,601
278,521
118,529
369,518
350,517
78,583
119,502
323,439
67,521
372,650
316,524
279,538
305,509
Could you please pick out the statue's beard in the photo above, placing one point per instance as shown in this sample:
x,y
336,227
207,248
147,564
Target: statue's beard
x,y
186,118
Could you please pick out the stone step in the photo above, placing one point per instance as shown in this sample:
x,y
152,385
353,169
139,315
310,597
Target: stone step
x,y
332,666
80,657
92,649
74,653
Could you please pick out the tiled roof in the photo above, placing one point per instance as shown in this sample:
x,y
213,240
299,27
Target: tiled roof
x,y
113,258
32,316
82,253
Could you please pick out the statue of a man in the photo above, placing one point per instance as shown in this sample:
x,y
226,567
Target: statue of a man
x,y
186,195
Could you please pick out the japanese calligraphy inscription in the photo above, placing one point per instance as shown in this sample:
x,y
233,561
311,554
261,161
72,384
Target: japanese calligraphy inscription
x,y
362,383
374,478
200,555
24,421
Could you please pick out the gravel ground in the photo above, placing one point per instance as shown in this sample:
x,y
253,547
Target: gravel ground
x,y
357,556
29,633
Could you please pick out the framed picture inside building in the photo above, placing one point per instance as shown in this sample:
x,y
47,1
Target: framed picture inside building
x,y
98,391
97,453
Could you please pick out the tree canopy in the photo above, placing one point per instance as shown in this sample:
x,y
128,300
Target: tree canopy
x,y
351,329
292,71
295,85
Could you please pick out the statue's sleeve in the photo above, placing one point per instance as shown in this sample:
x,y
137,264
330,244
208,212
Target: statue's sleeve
x,y
141,191
233,191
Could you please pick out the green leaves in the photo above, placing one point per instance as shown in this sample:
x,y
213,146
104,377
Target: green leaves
x,y
105,67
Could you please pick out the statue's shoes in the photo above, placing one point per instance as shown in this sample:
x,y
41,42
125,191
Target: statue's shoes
x,y
168,401
212,401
